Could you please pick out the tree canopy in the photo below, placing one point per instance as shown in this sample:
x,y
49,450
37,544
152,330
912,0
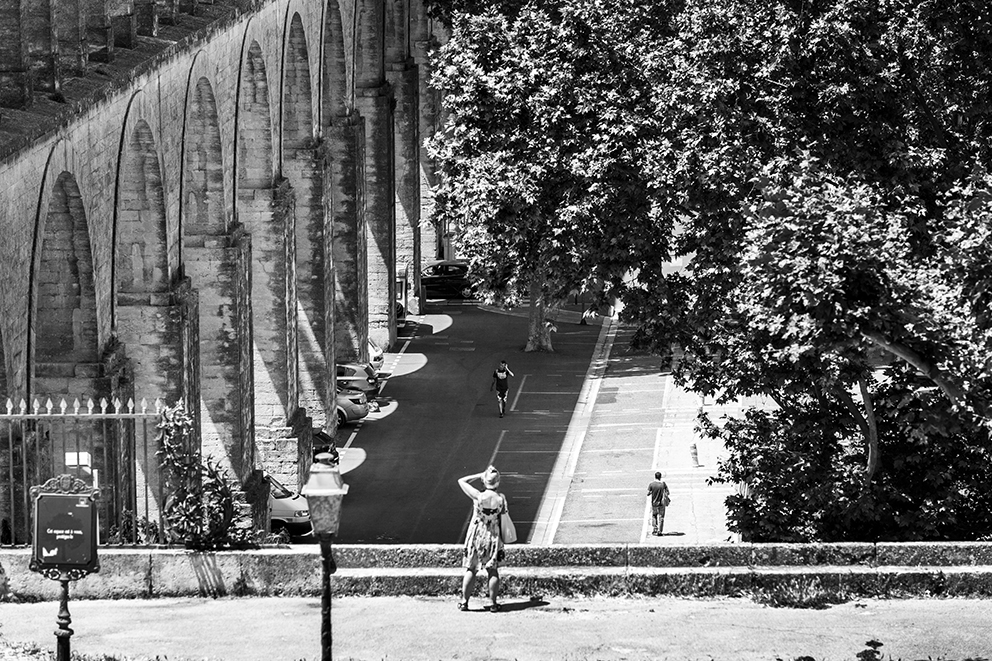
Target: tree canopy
x,y
821,167
547,158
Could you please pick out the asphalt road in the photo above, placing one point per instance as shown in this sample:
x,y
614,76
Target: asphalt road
x,y
439,421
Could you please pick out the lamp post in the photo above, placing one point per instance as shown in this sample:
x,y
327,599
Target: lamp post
x,y
324,491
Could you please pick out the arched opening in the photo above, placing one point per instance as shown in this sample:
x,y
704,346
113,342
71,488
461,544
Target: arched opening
x,y
303,169
265,210
216,262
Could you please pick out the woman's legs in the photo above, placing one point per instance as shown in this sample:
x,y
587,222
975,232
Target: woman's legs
x,y
468,582
493,584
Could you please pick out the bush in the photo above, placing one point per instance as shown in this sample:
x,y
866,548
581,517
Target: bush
x,y
800,471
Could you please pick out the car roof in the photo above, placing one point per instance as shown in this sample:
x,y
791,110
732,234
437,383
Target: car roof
x,y
453,262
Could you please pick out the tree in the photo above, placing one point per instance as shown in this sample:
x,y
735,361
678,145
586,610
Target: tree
x,y
546,156
829,159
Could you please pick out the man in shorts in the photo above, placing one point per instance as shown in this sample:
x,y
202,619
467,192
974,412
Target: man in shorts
x,y
501,381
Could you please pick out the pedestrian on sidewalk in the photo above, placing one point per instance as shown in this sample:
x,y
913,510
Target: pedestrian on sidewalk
x,y
483,546
501,381
659,495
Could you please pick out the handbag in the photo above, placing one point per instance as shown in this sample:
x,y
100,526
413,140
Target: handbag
x,y
507,531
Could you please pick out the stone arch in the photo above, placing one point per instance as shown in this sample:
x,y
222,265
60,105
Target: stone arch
x,y
297,117
64,298
254,154
302,167
215,259
264,209
397,37
370,31
141,263
336,99
203,167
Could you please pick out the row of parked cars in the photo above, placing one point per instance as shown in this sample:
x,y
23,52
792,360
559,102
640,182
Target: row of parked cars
x,y
357,387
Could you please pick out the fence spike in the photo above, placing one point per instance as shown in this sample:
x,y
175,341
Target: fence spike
x,y
10,406
75,406
89,405
144,405
36,406
117,404
48,406
24,406
103,405
63,405
158,405
130,405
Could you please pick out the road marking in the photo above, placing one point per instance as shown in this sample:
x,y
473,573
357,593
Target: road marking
x,y
556,392
631,489
654,464
596,520
520,388
617,424
619,450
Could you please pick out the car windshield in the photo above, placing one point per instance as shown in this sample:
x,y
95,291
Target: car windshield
x,y
278,490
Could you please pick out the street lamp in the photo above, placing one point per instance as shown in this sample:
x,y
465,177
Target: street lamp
x,y
324,491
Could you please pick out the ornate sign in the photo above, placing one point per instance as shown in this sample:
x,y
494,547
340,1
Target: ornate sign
x,y
65,532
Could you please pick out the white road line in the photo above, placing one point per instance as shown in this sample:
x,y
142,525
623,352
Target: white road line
x,y
617,424
520,389
631,489
619,450
556,392
596,520
492,459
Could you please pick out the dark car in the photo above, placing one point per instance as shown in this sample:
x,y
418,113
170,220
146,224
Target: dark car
x,y
446,279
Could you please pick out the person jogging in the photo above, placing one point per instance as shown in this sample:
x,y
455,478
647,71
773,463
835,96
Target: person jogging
x,y
501,381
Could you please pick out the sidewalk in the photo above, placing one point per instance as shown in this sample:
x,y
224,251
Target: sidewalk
x,y
405,628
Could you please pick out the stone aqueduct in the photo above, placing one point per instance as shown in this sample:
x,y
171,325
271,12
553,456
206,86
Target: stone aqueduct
x,y
210,202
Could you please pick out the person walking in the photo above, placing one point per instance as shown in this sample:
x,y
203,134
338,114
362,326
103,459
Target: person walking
x,y
483,546
501,381
660,498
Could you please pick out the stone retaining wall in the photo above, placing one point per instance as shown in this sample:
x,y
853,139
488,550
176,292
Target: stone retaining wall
x,y
839,570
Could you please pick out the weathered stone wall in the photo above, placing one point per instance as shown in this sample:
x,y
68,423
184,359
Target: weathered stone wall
x,y
220,200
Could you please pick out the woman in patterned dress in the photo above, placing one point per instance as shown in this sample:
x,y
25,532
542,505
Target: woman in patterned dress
x,y
483,545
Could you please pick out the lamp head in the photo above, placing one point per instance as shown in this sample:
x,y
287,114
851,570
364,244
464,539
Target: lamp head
x,y
324,492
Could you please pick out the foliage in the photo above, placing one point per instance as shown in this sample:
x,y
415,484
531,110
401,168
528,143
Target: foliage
x,y
797,468
200,511
545,156
135,529
828,161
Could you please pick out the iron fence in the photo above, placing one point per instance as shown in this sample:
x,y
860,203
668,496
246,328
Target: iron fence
x,y
109,445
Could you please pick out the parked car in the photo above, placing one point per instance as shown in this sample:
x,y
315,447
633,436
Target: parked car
x,y
358,377
288,512
376,356
446,279
351,405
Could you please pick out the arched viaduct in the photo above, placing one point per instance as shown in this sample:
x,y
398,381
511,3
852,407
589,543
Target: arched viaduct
x,y
209,202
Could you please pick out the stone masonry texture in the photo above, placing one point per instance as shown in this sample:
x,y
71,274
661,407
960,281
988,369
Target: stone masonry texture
x,y
212,187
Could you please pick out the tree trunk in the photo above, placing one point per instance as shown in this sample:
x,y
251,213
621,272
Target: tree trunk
x,y
866,422
872,431
538,330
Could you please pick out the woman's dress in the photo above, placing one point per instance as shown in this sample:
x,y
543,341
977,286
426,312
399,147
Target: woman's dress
x,y
482,543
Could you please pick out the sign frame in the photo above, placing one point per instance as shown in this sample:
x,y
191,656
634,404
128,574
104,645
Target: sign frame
x,y
65,488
